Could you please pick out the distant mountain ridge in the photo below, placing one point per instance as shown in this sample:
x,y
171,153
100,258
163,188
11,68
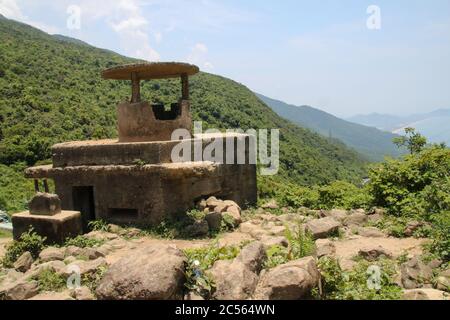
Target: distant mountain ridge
x,y
434,125
371,142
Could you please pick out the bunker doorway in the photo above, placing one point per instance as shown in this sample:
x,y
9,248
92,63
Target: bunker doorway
x,y
83,201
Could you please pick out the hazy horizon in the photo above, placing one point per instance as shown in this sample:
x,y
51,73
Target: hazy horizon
x,y
300,52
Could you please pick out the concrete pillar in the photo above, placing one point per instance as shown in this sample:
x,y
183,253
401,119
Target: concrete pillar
x,y
135,88
185,87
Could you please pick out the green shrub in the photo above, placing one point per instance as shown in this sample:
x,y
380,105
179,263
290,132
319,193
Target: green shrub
x,y
440,235
202,259
29,241
353,285
83,242
98,225
48,280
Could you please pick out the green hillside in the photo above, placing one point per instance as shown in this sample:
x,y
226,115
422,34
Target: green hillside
x,y
371,142
51,91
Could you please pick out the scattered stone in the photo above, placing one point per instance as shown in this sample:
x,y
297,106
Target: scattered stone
x,y
24,262
91,253
435,263
82,293
356,218
235,213
191,296
322,228
270,241
370,232
214,221
415,274
377,211
325,247
73,251
212,202
153,273
52,253
337,214
21,289
101,235
237,279
85,267
272,204
374,252
252,229
411,227
70,259
53,296
199,228
443,280
56,266
374,218
291,281
114,228
424,294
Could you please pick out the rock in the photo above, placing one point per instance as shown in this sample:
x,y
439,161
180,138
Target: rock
x,y
201,205
56,266
53,296
114,228
237,279
325,247
101,235
270,241
52,253
118,244
82,293
361,211
86,267
73,251
424,294
252,256
374,218
155,272
191,296
370,232
21,289
372,253
235,213
272,204
212,202
377,211
435,263
356,218
45,204
291,281
443,280
411,227
214,221
24,262
70,259
91,253
253,230
337,214
277,230
199,228
322,228
219,208
414,274
131,232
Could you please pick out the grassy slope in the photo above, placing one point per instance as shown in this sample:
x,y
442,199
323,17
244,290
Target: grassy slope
x,y
51,91
371,142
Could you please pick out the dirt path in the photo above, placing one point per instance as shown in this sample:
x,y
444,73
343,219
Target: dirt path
x,y
348,248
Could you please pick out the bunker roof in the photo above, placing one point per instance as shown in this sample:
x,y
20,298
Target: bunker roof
x,y
150,70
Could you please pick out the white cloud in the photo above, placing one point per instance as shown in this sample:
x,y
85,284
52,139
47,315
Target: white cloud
x,y
11,10
128,21
199,56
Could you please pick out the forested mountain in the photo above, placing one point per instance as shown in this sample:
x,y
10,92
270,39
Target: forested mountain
x,y
51,91
371,142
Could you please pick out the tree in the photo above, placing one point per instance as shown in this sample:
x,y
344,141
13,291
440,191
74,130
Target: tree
x,y
412,140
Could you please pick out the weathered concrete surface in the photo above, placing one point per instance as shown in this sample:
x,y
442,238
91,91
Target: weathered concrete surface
x,y
45,204
55,228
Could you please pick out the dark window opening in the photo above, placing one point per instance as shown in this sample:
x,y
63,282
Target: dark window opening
x,y
83,201
161,113
123,214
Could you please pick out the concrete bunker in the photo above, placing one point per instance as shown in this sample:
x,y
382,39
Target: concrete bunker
x,y
133,179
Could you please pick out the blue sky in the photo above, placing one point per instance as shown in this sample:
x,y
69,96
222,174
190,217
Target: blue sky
x,y
319,53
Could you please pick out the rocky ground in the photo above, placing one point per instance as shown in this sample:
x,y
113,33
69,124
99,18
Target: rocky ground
x,y
125,263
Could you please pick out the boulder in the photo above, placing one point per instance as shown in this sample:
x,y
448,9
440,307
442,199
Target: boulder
x,y
235,213
82,293
214,220
272,204
414,274
51,254
372,253
374,218
73,251
424,294
56,266
20,289
370,232
356,218
291,281
337,214
155,272
212,202
411,227
270,241
322,228
199,228
91,253
53,296
24,262
237,279
325,247
86,267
